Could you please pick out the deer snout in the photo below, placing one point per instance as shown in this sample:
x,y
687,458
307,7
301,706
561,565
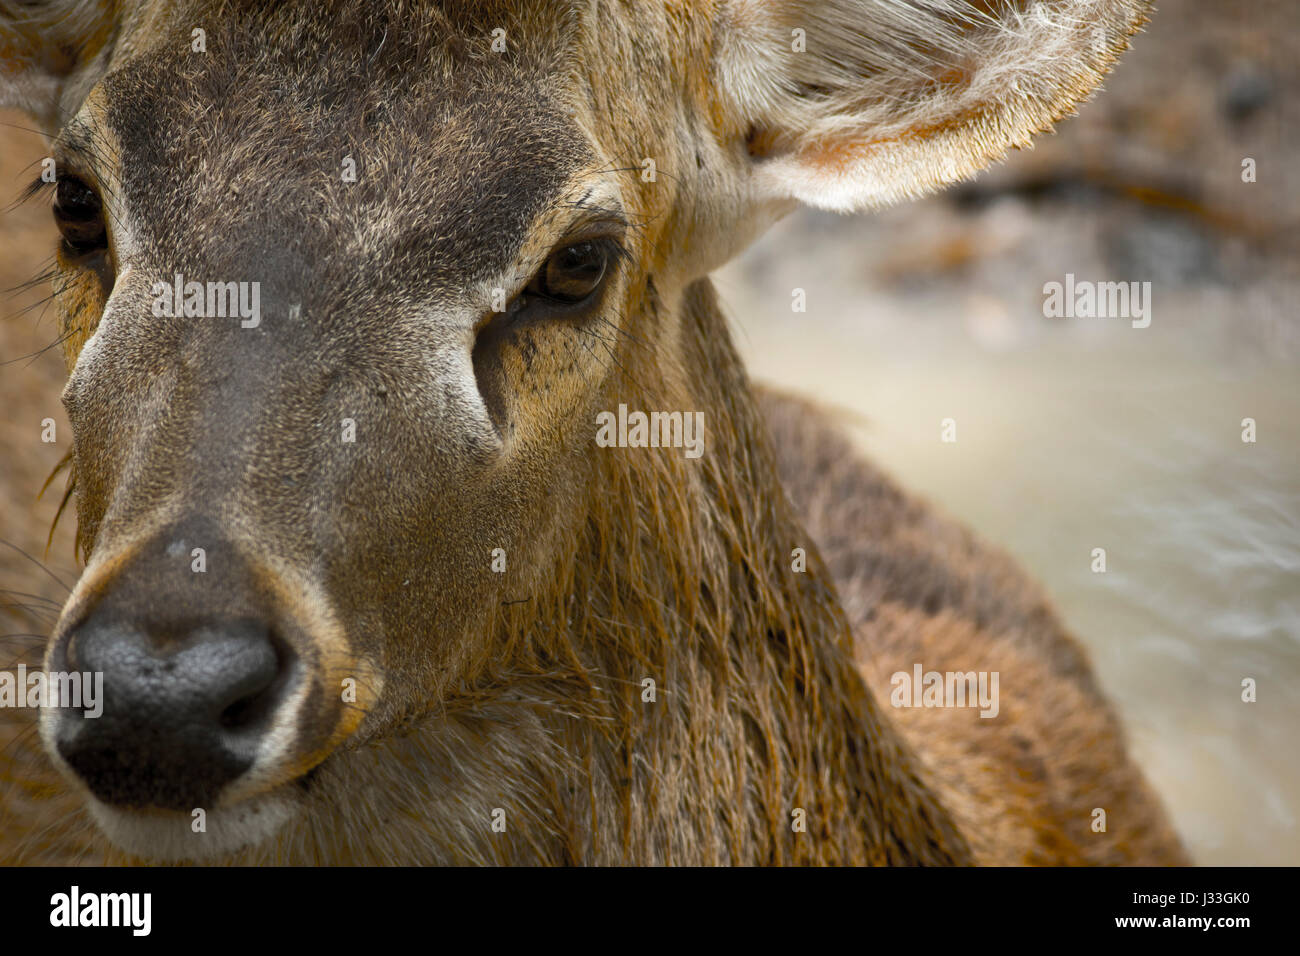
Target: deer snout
x,y
216,679
184,712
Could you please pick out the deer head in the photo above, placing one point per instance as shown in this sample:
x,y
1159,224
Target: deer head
x,y
344,287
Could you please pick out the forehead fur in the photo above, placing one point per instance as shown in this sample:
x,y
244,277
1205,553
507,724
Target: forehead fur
x,y
457,148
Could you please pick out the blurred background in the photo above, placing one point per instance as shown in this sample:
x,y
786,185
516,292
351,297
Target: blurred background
x,y
1072,433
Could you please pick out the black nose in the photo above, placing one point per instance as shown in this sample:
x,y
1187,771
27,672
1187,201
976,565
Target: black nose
x,y
183,713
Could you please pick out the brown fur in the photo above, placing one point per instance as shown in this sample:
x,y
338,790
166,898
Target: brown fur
x,y
523,691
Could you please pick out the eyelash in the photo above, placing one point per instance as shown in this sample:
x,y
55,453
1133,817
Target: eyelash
x,y
33,190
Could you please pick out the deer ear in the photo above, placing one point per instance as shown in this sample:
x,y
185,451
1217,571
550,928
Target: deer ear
x,y
44,46
853,104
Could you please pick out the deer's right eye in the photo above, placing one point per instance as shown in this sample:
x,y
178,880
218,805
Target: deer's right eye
x,y
79,215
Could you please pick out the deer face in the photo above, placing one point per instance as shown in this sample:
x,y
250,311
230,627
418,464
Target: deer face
x,y
345,286
299,504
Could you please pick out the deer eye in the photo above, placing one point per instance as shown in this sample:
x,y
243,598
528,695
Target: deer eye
x,y
573,273
79,214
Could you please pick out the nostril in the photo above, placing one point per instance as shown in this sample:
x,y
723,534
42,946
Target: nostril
x,y
259,691
244,713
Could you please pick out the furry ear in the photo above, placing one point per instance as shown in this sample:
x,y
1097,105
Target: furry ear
x,y
853,104
46,43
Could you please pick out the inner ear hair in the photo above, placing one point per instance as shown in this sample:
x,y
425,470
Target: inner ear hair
x,y
851,104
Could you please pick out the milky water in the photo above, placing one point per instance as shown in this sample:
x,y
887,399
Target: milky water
x,y
1070,439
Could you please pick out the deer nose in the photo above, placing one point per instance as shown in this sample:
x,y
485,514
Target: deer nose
x,y
184,712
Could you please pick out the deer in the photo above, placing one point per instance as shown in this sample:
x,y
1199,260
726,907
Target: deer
x,y
361,585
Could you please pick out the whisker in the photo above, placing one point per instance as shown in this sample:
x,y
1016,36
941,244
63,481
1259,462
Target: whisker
x,y
39,352
54,577
34,597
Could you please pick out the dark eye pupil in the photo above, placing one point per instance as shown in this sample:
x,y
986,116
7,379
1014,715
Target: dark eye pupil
x,y
75,200
78,213
572,273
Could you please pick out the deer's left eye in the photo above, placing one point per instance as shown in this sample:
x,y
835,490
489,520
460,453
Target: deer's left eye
x,y
79,215
570,275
